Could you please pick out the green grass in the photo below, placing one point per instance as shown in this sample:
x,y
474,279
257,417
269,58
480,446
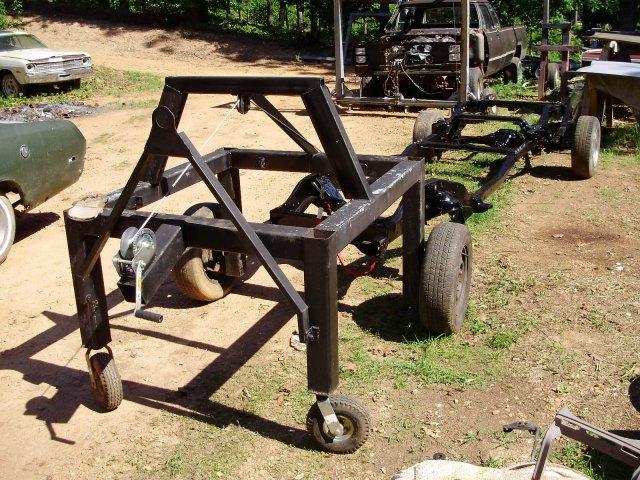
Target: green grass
x,y
593,464
514,91
623,143
106,82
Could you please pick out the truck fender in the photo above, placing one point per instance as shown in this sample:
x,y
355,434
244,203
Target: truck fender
x,y
480,47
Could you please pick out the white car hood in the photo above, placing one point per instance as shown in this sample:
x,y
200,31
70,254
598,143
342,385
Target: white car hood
x,y
39,54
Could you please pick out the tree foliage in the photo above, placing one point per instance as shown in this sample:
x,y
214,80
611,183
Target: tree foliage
x,y
312,20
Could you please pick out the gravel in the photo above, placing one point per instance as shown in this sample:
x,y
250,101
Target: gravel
x,y
46,111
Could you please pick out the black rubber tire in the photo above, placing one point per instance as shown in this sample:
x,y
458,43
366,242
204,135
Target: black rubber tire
x,y
353,415
513,72
585,152
476,83
10,86
423,127
108,384
190,275
445,279
7,227
553,76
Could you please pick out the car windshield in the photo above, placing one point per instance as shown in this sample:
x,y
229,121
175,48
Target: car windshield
x,y
429,16
19,42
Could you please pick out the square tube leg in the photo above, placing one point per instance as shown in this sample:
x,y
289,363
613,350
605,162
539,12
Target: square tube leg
x,y
321,295
91,300
412,240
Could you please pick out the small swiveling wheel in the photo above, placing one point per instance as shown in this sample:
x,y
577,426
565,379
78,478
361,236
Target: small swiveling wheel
x,y
445,279
354,418
106,383
585,152
200,274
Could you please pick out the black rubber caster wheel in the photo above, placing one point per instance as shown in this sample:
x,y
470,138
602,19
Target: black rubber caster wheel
x,y
354,418
445,279
107,385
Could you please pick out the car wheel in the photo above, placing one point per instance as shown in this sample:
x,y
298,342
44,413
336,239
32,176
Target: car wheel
x,y
10,85
476,81
7,227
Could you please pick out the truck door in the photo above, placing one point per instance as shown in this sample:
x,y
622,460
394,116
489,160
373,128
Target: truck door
x,y
494,49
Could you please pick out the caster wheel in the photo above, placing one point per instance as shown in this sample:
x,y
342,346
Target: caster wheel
x,y
353,417
445,279
108,385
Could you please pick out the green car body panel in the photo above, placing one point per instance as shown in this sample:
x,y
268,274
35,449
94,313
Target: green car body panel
x,y
40,159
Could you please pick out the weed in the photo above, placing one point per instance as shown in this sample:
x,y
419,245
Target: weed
x,y
502,340
492,462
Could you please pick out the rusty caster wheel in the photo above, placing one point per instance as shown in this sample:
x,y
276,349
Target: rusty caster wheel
x,y
105,379
354,418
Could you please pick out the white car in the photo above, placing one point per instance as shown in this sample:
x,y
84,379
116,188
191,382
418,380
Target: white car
x,y
25,60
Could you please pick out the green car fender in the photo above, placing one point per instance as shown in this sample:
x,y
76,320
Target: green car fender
x,y
40,159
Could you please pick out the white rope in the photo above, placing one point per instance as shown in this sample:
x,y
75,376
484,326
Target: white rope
x,y
186,168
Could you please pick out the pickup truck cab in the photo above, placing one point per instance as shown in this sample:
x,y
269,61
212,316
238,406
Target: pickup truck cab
x,y
419,53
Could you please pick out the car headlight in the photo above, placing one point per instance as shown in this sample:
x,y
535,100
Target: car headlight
x,y
454,57
30,67
361,51
86,60
361,59
454,48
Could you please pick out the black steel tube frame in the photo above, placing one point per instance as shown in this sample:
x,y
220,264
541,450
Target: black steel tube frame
x,y
372,184
544,134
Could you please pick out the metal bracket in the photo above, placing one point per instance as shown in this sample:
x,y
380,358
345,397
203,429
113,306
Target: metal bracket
x,y
527,427
329,415
622,449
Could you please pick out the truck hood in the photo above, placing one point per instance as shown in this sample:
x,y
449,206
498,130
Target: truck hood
x,y
40,54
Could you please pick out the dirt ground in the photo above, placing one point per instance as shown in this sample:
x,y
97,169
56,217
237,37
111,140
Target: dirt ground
x,y
215,390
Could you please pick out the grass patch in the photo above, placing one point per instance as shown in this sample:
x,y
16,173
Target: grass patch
x,y
591,463
106,82
515,91
502,340
623,141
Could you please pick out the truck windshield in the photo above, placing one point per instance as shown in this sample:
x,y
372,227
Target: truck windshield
x,y
19,42
429,16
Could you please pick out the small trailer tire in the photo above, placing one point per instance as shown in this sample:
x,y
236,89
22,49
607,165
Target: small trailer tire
x,y
200,273
445,279
107,381
7,227
355,420
585,152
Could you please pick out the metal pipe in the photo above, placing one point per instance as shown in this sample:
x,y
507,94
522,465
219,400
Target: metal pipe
x,y
464,51
337,40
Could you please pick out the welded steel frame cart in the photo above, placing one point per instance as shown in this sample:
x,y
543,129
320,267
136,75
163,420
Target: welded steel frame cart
x,y
370,184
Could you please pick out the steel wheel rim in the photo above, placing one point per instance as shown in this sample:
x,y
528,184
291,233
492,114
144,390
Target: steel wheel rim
x,y
5,226
10,85
348,425
461,281
595,149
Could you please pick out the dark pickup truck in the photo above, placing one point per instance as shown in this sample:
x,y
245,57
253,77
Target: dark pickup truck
x,y
418,55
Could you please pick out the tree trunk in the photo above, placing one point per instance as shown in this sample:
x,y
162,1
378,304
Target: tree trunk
x,y
300,15
283,18
269,13
627,15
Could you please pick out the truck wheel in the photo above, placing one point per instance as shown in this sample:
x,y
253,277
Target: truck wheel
x,y
476,82
423,128
553,76
10,86
585,151
200,273
7,227
513,72
445,279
